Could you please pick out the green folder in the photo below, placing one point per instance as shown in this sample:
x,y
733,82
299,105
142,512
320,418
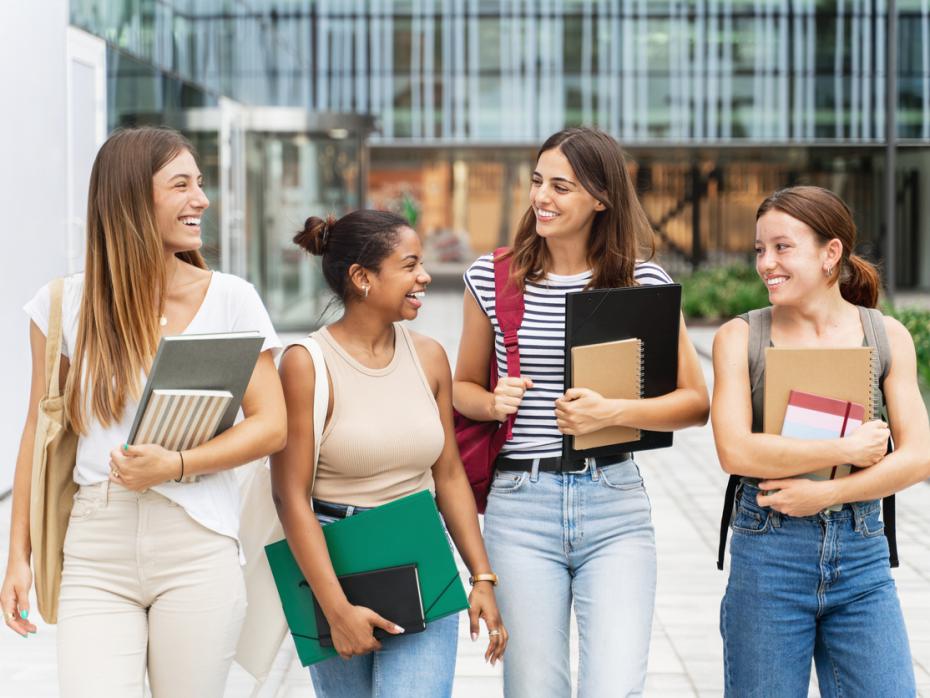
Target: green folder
x,y
403,532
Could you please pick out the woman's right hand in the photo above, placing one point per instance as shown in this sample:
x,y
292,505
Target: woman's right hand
x,y
868,444
14,597
508,394
353,631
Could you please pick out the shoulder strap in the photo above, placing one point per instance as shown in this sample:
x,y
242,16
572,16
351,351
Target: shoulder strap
x,y
509,308
320,395
873,325
53,339
760,336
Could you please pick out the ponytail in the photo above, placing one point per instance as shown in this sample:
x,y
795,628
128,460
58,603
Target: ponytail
x,y
859,281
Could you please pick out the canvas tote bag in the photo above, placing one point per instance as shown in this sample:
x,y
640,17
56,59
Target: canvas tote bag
x,y
53,487
265,626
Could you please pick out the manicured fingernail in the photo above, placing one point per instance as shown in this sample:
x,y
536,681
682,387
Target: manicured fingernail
x,y
474,636
26,636
398,628
125,447
24,614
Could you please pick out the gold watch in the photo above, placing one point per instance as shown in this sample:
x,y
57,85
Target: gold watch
x,y
483,577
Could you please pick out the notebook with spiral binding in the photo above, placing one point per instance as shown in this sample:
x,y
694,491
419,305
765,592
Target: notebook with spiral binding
x,y
648,313
848,374
615,370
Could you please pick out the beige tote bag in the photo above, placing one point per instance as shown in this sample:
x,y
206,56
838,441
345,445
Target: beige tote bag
x,y
53,486
265,626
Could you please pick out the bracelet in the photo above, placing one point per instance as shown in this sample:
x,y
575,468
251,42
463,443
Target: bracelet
x,y
483,577
181,476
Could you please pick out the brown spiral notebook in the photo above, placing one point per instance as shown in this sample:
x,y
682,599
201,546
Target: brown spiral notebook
x,y
615,370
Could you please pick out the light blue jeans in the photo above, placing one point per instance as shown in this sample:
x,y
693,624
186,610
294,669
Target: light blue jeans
x,y
558,540
812,587
421,665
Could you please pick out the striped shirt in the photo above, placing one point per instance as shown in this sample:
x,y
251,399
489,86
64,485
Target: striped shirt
x,y
542,349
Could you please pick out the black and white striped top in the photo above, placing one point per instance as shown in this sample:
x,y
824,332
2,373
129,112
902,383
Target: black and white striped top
x,y
542,349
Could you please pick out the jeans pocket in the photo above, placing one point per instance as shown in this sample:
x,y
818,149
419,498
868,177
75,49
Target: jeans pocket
x,y
505,482
621,476
85,506
871,525
750,520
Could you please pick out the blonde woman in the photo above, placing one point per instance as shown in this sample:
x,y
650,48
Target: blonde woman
x,y
151,579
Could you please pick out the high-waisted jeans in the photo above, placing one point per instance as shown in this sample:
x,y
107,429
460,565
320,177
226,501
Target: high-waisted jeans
x,y
812,587
421,665
558,540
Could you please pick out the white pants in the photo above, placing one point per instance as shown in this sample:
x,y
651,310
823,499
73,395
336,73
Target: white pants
x,y
145,587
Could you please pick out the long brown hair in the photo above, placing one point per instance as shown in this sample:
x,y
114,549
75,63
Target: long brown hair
x,y
829,217
620,234
124,275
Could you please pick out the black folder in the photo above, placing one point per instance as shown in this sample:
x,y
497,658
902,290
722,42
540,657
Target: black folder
x,y
649,313
391,592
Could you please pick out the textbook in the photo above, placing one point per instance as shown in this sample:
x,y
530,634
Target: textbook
x,y
811,416
200,377
650,314
615,370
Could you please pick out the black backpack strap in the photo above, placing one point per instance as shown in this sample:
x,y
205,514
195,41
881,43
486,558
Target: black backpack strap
x,y
873,324
729,499
760,333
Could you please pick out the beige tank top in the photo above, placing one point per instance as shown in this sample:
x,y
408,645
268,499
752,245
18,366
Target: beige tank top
x,y
384,434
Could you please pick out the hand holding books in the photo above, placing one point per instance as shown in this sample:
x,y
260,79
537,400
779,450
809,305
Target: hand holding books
x,y
140,467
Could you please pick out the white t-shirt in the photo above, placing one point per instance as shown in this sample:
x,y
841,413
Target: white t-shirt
x,y
230,305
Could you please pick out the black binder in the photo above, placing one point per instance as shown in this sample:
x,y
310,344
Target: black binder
x,y
391,592
650,313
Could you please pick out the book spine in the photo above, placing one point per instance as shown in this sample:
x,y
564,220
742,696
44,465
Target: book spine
x,y
875,397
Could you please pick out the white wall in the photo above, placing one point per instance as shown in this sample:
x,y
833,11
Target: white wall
x,y
33,190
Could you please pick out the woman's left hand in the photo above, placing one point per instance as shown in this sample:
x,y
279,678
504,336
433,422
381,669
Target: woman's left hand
x,y
796,496
482,604
139,467
582,410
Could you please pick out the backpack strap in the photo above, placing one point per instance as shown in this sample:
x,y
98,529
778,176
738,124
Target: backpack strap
x,y
509,308
760,335
873,325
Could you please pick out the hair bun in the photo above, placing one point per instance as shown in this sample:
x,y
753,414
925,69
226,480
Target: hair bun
x,y
315,234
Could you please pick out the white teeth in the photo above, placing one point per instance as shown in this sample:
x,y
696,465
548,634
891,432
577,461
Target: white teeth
x,y
546,214
418,294
775,281
190,221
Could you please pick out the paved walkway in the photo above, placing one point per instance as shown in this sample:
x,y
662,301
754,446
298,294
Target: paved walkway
x,y
685,485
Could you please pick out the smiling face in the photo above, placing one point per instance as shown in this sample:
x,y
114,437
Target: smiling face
x,y
179,203
562,206
399,286
792,260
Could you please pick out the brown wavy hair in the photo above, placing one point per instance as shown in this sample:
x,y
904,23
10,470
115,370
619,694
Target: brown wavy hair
x,y
829,217
620,234
124,276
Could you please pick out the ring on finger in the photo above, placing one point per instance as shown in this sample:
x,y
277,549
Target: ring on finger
x,y
7,616
114,472
493,633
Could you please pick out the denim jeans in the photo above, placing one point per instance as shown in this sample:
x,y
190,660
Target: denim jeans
x,y
561,539
421,665
812,587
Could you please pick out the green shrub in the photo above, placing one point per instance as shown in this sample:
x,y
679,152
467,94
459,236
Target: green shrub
x,y
722,293
917,322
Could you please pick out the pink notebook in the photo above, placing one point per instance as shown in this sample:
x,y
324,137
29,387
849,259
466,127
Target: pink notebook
x,y
815,417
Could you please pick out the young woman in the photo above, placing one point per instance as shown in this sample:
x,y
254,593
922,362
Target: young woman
x,y
151,578
388,434
569,534
809,573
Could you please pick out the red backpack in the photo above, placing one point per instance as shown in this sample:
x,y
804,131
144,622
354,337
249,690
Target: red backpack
x,y
480,442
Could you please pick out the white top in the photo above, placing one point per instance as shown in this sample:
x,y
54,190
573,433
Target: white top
x,y
230,305
542,349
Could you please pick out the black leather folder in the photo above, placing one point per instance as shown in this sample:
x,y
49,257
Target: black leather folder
x,y
391,592
648,313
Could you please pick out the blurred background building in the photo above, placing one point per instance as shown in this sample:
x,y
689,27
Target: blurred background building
x,y
435,109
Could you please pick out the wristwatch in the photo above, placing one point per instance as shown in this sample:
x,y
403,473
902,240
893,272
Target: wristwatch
x,y
483,577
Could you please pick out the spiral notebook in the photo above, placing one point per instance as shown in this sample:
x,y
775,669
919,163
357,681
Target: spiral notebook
x,y
615,370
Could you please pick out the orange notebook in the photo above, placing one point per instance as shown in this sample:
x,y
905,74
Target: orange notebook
x,y
615,370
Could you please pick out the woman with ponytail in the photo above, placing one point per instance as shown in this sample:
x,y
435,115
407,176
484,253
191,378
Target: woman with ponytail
x,y
151,582
809,566
388,434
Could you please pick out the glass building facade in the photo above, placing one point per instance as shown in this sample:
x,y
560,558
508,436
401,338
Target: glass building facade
x,y
719,102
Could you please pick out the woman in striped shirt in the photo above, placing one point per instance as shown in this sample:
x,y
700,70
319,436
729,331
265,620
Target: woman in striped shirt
x,y
564,534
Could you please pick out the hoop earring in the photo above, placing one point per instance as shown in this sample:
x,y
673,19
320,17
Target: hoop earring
x,y
828,272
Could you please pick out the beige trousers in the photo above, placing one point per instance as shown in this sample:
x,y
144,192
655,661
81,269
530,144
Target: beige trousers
x,y
145,587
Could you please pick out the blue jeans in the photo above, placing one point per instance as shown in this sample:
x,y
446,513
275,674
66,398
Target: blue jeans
x,y
812,587
421,665
558,540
